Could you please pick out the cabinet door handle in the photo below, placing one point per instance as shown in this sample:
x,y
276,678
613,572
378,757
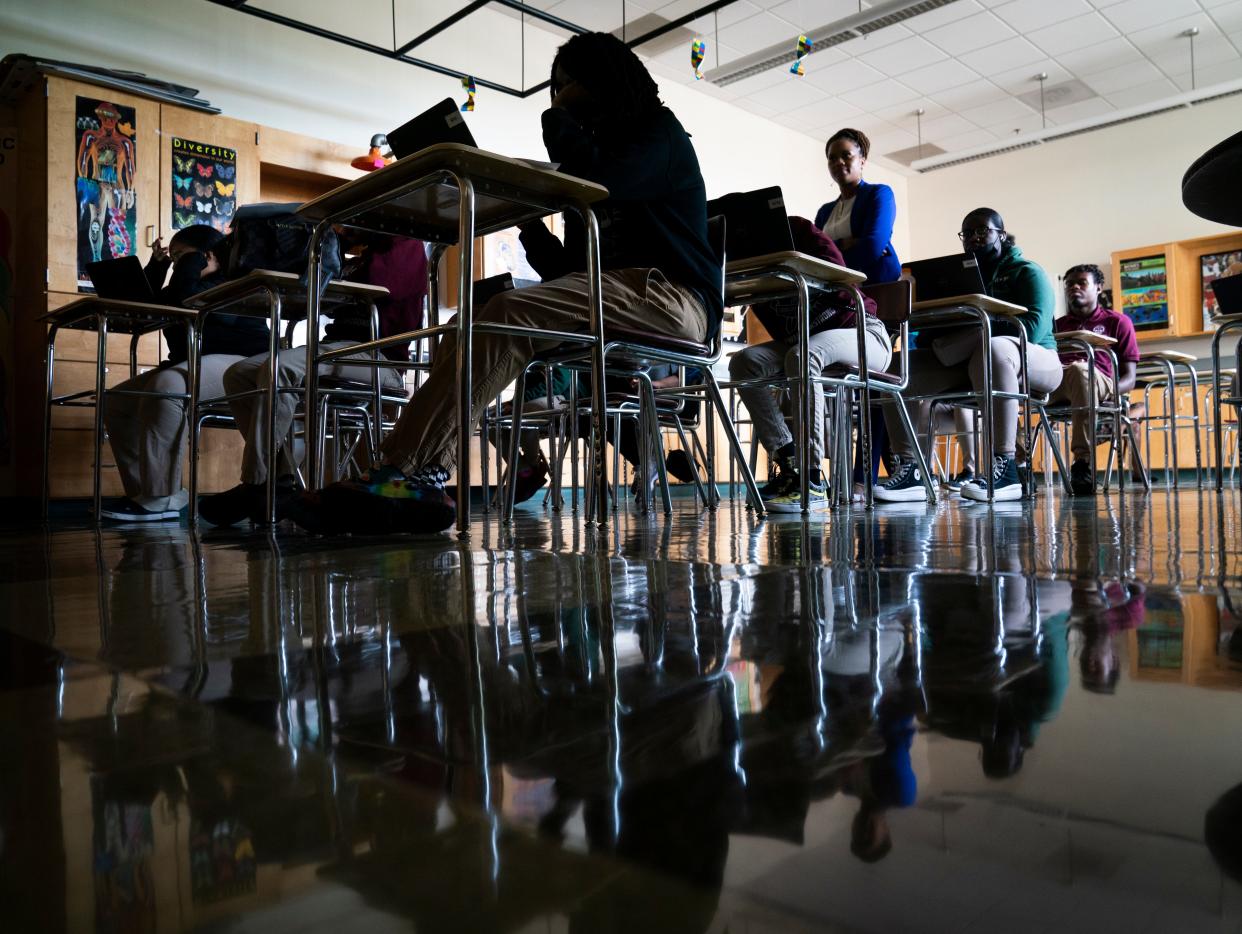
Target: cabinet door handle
x,y
150,234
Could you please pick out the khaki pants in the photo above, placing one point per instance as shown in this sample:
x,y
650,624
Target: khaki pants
x,y
1075,389
147,433
250,412
928,375
426,433
839,345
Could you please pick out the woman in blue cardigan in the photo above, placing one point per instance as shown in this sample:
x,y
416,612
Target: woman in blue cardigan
x,y
861,219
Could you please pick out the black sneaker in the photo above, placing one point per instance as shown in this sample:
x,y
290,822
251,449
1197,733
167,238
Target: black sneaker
x,y
381,502
680,466
956,483
232,506
1081,481
1006,484
905,486
782,477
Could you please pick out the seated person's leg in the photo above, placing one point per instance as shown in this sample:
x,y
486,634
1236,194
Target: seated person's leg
x,y
759,361
927,375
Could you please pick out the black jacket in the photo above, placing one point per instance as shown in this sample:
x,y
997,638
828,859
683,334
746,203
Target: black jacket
x,y
656,211
240,335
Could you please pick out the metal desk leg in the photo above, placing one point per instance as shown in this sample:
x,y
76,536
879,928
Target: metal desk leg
x,y
193,343
314,270
598,508
804,390
101,371
50,372
269,411
465,349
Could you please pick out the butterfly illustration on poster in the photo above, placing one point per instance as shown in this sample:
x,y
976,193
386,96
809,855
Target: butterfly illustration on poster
x,y
207,174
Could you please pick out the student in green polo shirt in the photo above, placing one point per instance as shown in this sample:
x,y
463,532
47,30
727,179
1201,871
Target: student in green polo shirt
x,y
955,361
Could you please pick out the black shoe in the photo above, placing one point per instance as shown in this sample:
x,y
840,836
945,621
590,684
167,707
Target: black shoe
x,y
955,484
782,477
232,506
1006,485
1081,481
905,486
680,466
380,502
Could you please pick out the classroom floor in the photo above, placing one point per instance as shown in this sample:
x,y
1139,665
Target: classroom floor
x,y
916,719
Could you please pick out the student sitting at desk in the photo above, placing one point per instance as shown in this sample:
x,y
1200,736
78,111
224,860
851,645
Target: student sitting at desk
x,y
1082,299
954,360
606,124
834,339
147,432
398,264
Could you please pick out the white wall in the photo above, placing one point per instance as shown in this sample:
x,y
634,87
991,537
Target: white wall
x,y
1077,200
258,71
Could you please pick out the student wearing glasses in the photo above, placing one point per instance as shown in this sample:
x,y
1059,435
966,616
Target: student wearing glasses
x,y
954,361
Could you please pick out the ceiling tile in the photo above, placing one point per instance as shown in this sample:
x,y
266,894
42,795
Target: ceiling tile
x,y
1022,80
1132,15
1082,110
812,14
843,76
1001,57
1213,4
759,32
904,114
874,40
593,15
1135,95
997,112
903,56
882,94
1121,77
1011,128
761,110
725,16
1167,38
1209,75
788,95
945,127
888,138
1078,33
974,94
950,13
1228,16
1111,53
966,140
829,111
1211,51
969,34
939,77
1026,15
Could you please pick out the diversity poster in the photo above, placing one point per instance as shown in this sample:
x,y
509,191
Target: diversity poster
x,y
1213,266
104,137
1145,292
204,184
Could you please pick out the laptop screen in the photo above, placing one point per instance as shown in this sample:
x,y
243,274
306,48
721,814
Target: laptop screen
x,y
755,222
121,280
442,123
946,277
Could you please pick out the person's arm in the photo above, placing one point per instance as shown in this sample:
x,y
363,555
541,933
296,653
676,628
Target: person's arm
x,y
156,269
877,229
1127,354
1126,375
1034,292
544,252
184,282
635,169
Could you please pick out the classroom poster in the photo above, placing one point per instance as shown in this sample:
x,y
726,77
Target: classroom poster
x,y
1212,266
1145,292
105,169
204,184
8,268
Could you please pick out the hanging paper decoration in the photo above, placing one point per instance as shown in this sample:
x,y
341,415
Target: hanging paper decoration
x,y
697,49
468,84
804,48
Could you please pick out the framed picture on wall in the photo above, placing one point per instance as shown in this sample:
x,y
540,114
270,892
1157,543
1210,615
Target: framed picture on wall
x,y
1212,266
1145,292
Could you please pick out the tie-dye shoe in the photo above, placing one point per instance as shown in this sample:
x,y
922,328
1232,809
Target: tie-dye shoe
x,y
384,501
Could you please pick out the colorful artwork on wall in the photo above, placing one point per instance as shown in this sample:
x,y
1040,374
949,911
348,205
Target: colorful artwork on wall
x,y
1145,292
106,166
204,184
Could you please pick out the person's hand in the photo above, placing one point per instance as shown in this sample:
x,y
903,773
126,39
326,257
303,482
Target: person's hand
x,y
212,267
159,251
570,96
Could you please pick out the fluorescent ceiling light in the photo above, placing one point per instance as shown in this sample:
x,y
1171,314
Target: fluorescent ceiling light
x,y
823,37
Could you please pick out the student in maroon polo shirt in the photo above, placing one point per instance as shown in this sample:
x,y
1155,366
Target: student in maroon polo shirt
x,y
1082,298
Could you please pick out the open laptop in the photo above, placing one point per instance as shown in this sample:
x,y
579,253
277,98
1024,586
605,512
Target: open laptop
x,y
442,123
755,222
1228,294
121,280
946,277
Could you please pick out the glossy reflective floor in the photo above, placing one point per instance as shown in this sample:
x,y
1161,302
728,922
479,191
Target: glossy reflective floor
x,y
1025,718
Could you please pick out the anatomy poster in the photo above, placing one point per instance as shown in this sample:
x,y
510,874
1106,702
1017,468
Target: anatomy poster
x,y
106,168
204,184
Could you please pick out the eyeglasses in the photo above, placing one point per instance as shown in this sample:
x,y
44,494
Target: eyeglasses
x,y
977,232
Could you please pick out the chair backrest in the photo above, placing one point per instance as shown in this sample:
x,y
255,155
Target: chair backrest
x,y
716,240
892,301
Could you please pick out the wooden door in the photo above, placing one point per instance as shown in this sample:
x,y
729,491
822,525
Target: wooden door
x,y
102,178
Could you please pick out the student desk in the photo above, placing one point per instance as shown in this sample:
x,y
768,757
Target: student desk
x,y
1164,363
776,275
92,313
980,310
446,194
275,296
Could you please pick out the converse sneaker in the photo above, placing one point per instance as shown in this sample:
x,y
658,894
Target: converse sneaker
x,y
905,486
791,500
1005,482
955,484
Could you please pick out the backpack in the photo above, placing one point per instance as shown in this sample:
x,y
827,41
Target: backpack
x,y
279,242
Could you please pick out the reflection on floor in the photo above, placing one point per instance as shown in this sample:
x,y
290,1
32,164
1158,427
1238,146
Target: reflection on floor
x,y
917,719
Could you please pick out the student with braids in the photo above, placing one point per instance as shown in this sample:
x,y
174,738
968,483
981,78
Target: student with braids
x,y
606,123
